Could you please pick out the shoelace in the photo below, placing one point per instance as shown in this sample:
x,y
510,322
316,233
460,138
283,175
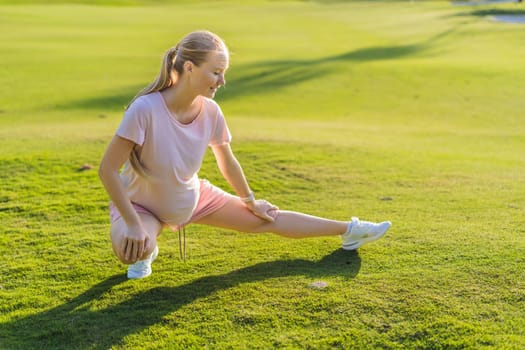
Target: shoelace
x,y
182,252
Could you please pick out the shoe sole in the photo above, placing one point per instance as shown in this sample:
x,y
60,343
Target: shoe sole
x,y
357,244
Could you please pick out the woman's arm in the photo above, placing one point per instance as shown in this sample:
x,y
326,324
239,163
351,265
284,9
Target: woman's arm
x,y
232,172
116,155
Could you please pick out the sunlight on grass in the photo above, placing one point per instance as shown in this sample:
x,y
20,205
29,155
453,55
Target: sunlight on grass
x,y
406,111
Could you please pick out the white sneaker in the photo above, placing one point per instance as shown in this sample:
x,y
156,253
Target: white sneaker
x,y
142,268
361,232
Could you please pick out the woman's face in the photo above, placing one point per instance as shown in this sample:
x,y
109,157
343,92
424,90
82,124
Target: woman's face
x,y
209,76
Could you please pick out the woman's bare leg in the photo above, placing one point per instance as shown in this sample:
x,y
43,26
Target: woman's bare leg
x,y
234,215
152,226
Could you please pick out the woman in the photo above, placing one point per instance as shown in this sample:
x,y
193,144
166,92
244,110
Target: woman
x,y
162,141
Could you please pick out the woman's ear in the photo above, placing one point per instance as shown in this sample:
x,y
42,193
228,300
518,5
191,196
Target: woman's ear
x,y
188,66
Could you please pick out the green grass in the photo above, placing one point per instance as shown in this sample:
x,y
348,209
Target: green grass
x,y
407,111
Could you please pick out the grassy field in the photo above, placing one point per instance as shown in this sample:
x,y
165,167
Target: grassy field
x,y
406,111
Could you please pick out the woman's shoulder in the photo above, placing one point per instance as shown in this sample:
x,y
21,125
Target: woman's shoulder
x,y
143,104
210,105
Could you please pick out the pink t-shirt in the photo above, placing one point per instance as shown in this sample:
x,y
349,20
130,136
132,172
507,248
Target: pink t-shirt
x,y
171,154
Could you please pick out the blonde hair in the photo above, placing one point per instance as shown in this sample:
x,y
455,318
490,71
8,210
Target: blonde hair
x,y
194,47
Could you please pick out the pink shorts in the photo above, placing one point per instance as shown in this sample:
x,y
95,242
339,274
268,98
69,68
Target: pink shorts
x,y
211,198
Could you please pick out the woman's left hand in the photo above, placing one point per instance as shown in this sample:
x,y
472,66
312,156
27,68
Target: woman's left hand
x,y
263,209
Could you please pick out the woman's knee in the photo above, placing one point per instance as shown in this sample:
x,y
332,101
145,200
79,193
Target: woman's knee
x,y
262,225
118,228
119,253
117,244
121,256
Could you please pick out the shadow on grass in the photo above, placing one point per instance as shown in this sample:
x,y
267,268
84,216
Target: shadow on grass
x,y
80,324
108,102
261,77
269,76
495,12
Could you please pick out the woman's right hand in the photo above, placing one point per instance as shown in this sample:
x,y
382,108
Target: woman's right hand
x,y
263,209
135,243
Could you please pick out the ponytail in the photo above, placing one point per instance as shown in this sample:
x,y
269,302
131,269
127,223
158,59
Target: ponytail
x,y
163,80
